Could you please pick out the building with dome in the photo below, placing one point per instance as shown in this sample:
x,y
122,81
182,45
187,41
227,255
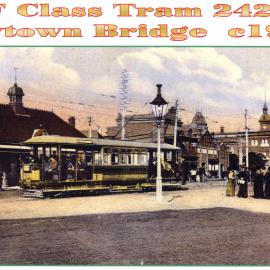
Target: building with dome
x,y
258,141
265,118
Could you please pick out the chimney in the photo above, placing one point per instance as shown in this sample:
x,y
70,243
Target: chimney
x,y
222,129
72,121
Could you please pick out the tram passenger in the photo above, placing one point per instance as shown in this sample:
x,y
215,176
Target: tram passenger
x,y
167,171
185,172
178,171
64,168
53,166
151,168
88,171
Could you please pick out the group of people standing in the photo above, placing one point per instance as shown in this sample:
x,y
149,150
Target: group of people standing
x,y
259,177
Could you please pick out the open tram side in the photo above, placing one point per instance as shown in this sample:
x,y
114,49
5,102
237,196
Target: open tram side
x,y
66,166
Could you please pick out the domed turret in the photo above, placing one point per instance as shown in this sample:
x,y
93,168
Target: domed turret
x,y
16,94
265,118
16,91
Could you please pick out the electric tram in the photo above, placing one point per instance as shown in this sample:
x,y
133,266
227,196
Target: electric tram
x,y
60,166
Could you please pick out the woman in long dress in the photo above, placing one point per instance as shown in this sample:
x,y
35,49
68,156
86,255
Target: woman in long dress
x,y
230,190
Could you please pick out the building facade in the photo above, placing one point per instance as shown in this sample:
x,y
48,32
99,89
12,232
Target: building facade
x,y
197,145
258,141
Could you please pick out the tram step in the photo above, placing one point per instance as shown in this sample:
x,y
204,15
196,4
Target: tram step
x,y
123,189
33,193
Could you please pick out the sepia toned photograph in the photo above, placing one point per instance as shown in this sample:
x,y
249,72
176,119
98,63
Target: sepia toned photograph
x,y
134,156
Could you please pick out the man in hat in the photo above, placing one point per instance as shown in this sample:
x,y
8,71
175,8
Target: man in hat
x,y
258,184
1,179
243,182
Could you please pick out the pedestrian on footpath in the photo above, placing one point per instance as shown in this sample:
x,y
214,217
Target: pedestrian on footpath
x,y
193,175
230,189
267,185
243,183
1,179
258,184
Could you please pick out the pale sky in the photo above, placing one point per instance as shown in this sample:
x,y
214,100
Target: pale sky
x,y
224,81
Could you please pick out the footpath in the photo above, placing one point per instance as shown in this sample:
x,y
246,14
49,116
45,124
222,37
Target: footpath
x,y
210,194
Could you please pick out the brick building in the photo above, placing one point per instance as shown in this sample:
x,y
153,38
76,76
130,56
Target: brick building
x,y
142,127
18,123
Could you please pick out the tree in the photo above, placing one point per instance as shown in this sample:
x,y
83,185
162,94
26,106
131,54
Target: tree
x,y
256,160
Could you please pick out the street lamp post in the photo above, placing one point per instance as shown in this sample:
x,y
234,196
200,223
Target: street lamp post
x,y
159,107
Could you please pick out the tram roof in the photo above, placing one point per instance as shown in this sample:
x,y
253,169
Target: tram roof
x,y
73,141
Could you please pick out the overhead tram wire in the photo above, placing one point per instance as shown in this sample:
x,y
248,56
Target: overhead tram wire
x,y
108,106
101,109
61,106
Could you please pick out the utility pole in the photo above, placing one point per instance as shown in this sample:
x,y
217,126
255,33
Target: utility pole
x,y
90,127
175,123
240,151
219,157
15,71
246,128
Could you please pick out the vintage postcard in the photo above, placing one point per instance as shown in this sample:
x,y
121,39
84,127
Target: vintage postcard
x,y
134,134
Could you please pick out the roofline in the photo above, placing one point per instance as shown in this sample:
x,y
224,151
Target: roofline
x,y
61,140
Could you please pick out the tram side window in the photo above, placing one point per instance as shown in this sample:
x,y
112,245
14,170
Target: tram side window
x,y
135,158
97,158
143,158
129,157
39,153
47,152
115,157
169,156
123,157
107,157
